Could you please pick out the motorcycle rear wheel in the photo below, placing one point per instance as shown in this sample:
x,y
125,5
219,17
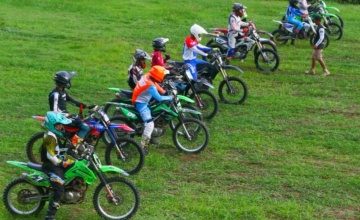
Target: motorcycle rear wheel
x,y
267,60
334,31
233,90
277,36
126,195
132,151
17,195
198,132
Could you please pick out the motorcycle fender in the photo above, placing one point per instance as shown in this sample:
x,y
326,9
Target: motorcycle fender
x,y
330,7
267,40
191,111
115,89
264,32
36,178
129,114
330,15
233,67
208,85
185,98
113,169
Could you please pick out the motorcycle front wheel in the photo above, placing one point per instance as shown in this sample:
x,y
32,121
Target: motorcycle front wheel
x,y
191,136
233,90
334,31
186,114
130,158
119,199
33,147
267,60
205,101
326,40
111,109
22,198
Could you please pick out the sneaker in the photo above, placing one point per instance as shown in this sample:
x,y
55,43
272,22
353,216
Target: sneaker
x,y
326,72
310,72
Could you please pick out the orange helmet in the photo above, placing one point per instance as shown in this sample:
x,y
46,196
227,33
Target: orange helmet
x,y
158,73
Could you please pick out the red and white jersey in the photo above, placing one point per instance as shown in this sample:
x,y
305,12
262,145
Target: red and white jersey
x,y
192,47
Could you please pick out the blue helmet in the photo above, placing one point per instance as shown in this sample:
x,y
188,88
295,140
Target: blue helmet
x,y
53,118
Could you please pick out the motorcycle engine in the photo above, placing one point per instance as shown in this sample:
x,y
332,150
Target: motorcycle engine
x,y
91,139
74,191
240,51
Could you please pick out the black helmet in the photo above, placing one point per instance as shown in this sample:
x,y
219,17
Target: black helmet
x,y
63,78
159,43
238,6
293,3
140,54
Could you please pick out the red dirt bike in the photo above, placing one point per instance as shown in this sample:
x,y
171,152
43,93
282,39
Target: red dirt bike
x,y
121,151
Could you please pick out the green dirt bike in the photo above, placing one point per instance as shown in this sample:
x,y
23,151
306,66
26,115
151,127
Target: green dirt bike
x,y
114,198
188,133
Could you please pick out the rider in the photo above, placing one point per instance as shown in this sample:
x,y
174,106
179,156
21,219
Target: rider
x,y
53,163
58,98
291,13
158,45
192,47
146,88
135,70
234,26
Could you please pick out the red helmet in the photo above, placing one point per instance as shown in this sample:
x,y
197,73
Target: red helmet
x,y
158,73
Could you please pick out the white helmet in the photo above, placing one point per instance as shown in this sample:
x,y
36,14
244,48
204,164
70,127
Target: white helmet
x,y
197,30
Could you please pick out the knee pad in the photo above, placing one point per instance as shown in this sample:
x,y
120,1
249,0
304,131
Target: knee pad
x,y
148,129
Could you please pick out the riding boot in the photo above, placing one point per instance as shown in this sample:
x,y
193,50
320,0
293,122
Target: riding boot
x,y
144,143
53,208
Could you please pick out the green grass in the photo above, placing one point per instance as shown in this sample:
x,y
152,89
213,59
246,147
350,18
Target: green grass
x,y
290,152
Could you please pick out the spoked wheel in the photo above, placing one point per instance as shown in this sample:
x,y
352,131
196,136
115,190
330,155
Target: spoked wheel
x,y
205,101
22,198
191,136
187,111
119,200
111,109
334,31
33,147
233,90
265,45
267,60
279,36
326,40
129,157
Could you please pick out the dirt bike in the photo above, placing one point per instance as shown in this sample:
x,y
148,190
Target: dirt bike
x,y
114,198
329,17
308,31
265,59
120,150
189,134
232,89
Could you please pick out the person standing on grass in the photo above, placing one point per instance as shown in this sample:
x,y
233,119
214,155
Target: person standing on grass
x,y
318,48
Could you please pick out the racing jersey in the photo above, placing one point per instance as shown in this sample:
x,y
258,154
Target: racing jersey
x,y
293,12
192,47
235,23
134,75
146,89
58,99
50,150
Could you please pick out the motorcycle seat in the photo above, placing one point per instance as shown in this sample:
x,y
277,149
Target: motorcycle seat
x,y
35,166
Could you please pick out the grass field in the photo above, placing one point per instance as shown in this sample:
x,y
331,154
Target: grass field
x,y
291,151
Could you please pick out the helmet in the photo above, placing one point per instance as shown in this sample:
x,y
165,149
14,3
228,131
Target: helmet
x,y
293,3
53,118
197,30
158,73
317,17
159,43
140,55
63,78
238,6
